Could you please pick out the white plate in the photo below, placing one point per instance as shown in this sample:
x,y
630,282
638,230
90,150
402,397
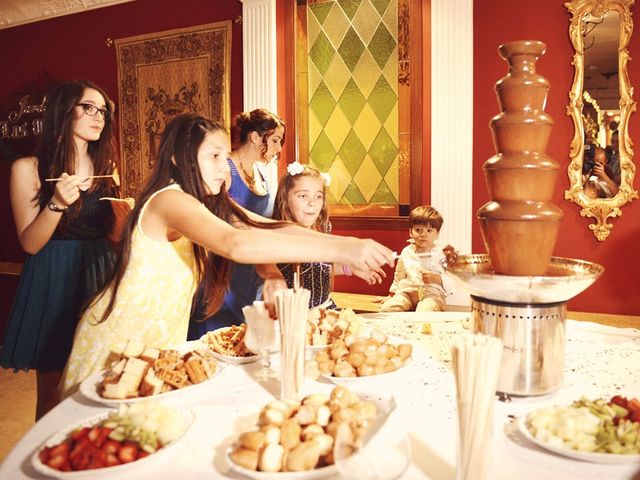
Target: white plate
x,y
236,360
385,405
89,389
186,414
594,457
229,358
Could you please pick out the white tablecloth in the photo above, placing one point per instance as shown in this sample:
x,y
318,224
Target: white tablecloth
x,y
600,361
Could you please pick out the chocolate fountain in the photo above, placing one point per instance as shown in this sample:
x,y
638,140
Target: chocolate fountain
x,y
519,291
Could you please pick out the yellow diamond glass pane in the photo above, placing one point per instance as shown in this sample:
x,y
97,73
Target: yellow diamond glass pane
x,y
353,61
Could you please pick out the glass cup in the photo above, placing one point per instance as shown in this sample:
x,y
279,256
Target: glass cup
x,y
261,336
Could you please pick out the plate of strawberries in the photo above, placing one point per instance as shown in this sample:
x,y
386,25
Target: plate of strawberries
x,y
113,442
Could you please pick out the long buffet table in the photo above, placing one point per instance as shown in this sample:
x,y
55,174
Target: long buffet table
x,y
600,361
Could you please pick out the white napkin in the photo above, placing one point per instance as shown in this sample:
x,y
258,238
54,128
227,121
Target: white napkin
x,y
262,331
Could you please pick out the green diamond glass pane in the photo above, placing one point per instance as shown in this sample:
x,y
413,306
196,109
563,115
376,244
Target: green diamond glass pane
x,y
381,45
330,198
383,195
383,151
351,101
351,48
322,103
380,5
350,7
322,52
352,153
353,196
321,10
322,153
382,99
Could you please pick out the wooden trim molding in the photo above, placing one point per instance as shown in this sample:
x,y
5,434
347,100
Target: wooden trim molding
x,y
10,268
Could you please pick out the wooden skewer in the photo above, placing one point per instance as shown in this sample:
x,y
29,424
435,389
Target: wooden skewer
x,y
85,178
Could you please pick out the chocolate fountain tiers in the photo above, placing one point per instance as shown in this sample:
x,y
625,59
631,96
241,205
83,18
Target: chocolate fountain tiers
x,y
520,224
519,291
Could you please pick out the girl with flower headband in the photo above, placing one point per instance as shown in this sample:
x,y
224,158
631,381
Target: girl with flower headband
x,y
302,198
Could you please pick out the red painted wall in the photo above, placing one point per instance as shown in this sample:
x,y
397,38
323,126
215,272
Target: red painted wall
x,y
499,21
72,47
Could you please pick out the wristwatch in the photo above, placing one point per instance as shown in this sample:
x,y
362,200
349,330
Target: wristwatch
x,y
54,208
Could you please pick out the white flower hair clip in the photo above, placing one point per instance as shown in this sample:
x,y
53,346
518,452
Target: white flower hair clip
x,y
326,178
295,168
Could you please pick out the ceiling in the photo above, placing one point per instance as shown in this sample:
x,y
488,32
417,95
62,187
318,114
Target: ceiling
x,y
20,12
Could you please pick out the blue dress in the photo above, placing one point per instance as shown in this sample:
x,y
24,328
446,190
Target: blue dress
x,y
246,284
54,286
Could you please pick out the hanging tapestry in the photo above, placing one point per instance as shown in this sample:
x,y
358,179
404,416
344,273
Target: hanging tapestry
x,y
162,75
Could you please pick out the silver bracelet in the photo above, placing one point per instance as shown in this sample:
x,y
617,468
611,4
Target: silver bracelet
x,y
54,208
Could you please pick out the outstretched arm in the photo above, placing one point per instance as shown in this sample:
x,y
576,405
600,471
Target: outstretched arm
x,y
174,212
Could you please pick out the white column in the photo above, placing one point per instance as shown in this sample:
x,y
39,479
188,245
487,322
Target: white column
x,y
452,122
259,55
259,77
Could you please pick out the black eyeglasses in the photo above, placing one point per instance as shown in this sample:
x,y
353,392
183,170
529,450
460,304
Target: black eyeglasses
x,y
91,110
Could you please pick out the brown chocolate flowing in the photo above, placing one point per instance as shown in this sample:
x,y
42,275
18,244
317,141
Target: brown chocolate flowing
x,y
520,224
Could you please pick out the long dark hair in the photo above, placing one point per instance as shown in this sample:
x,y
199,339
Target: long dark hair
x,y
261,121
178,163
56,150
281,210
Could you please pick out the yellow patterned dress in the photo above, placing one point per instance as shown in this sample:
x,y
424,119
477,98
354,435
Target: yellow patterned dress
x,y
153,305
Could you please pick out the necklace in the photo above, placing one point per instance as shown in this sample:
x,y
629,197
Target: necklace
x,y
250,178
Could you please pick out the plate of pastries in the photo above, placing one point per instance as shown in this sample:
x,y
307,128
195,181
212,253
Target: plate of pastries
x,y
370,354
295,440
324,327
228,345
138,372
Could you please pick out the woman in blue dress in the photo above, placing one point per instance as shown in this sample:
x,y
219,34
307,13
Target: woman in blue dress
x,y
63,227
260,139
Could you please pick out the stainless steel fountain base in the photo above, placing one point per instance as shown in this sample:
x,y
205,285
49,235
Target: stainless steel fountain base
x,y
534,340
527,313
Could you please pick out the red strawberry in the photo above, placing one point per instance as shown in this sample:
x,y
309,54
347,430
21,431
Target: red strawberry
x,y
81,460
80,448
112,459
111,446
60,449
44,454
142,454
635,416
128,453
93,434
633,405
79,433
97,459
57,461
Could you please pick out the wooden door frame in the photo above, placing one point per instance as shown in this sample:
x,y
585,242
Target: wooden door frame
x,y
416,152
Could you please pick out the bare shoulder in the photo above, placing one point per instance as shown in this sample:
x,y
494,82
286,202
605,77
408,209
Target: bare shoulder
x,y
25,165
173,201
25,171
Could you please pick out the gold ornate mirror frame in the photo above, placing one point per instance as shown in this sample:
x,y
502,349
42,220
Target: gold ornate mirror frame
x,y
600,208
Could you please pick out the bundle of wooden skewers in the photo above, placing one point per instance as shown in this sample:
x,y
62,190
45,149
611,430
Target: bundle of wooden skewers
x,y
476,365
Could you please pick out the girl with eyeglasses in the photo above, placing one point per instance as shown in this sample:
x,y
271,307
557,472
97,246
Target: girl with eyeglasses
x,y
63,228
184,231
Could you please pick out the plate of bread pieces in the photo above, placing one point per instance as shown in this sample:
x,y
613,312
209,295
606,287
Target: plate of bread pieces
x,y
114,442
228,345
369,355
138,372
295,440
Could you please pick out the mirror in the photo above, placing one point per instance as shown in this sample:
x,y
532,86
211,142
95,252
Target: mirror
x,y
601,170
